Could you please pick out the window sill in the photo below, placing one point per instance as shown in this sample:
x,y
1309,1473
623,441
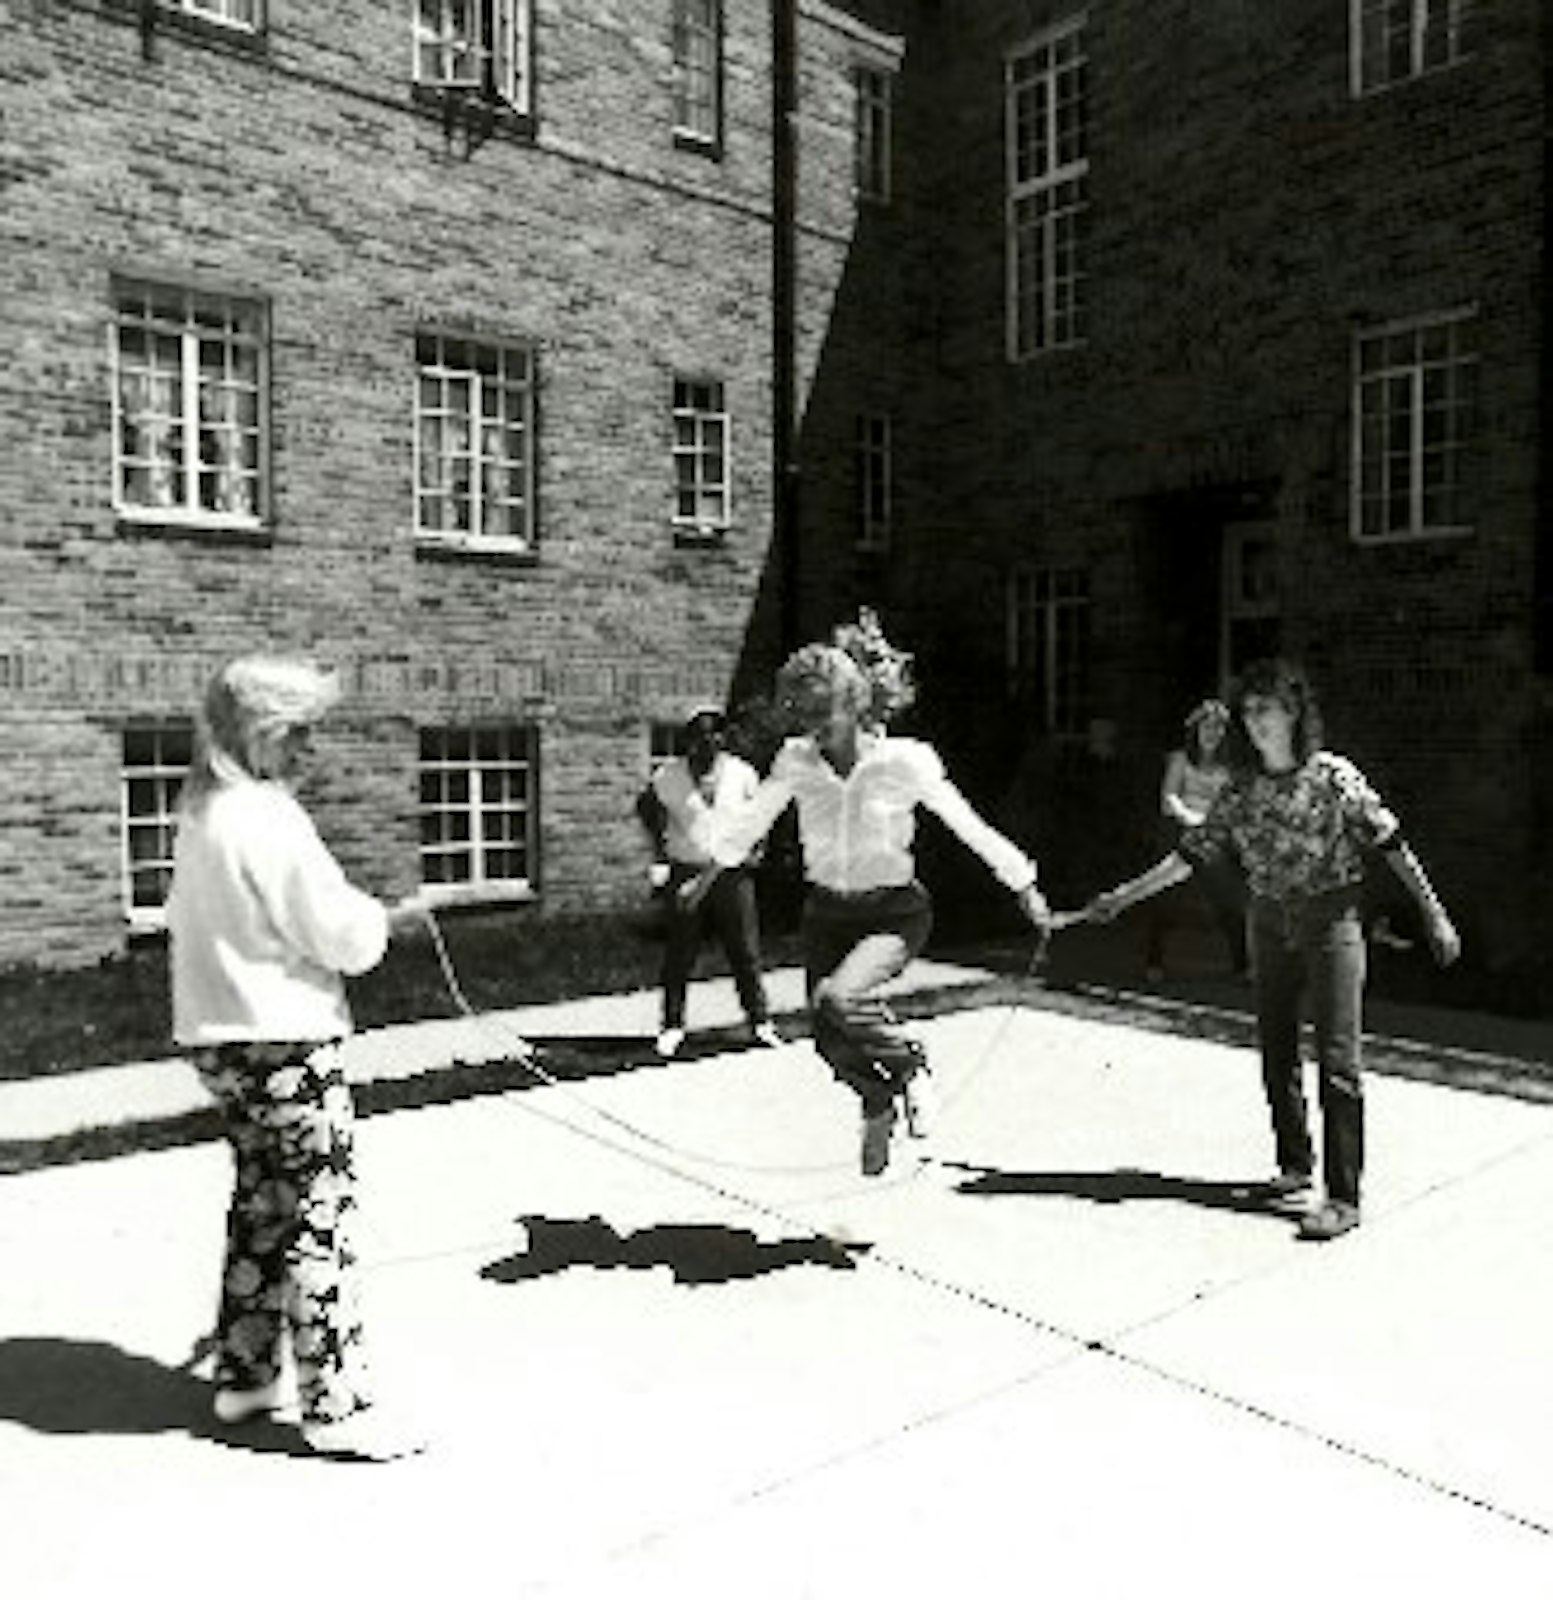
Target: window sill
x,y
471,547
163,18
211,530
453,104
697,536
698,144
452,896
1371,541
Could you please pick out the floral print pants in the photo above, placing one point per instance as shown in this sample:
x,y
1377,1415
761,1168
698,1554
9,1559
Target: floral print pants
x,y
289,1264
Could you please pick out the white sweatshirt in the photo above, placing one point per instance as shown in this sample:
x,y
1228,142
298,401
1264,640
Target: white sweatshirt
x,y
262,922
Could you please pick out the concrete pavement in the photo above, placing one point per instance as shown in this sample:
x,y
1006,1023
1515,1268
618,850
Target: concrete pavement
x,y
668,1342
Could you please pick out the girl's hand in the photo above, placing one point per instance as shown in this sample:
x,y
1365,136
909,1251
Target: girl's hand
x,y
1106,907
658,875
1444,941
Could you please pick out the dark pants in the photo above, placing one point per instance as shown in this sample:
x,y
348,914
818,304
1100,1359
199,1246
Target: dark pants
x,y
727,910
851,945
1317,951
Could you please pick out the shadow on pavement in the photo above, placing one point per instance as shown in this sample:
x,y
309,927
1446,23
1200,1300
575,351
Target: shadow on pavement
x,y
86,1386
693,1252
1117,1187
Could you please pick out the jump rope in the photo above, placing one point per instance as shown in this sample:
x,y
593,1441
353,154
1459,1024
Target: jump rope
x,y
526,1054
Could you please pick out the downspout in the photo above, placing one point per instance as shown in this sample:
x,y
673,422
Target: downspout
x,y
784,316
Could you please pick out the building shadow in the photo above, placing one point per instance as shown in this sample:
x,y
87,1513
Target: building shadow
x,y
1117,1187
694,1252
88,1386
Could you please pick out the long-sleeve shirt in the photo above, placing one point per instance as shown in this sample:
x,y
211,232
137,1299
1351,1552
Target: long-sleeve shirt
x,y
1296,834
730,782
857,829
262,922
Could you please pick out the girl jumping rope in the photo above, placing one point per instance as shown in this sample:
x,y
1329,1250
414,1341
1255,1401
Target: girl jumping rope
x,y
857,790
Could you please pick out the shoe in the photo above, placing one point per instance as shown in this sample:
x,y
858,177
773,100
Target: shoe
x,y
876,1141
242,1405
1330,1221
765,1033
669,1042
919,1103
364,1435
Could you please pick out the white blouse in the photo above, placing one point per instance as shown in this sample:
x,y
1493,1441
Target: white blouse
x,y
857,829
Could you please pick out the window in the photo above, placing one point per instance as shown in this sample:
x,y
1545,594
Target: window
x,y
246,16
190,403
477,45
665,740
1415,387
1048,646
698,71
872,143
474,443
156,758
1048,192
701,495
479,810
1394,40
873,483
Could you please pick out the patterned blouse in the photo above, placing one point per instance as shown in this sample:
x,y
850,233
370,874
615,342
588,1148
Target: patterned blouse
x,y
1295,834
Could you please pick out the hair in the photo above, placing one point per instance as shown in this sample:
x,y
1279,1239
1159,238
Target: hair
x,y
1277,678
817,680
888,670
1205,711
249,704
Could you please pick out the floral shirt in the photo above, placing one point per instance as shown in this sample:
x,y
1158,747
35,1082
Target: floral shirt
x,y
1295,834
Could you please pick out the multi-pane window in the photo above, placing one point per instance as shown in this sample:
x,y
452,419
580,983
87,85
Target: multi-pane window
x,y
247,15
698,70
1415,387
479,808
871,143
701,481
474,442
483,46
1046,112
873,482
156,758
189,401
1394,40
1048,646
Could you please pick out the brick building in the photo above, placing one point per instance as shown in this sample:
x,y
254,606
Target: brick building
x,y
433,337
1235,322
549,368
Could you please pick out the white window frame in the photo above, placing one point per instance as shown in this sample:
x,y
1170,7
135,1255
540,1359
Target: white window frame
x,y
873,90
1430,35
148,812
1046,139
475,412
1414,404
162,392
488,757
245,16
1048,646
702,438
476,47
875,481
696,48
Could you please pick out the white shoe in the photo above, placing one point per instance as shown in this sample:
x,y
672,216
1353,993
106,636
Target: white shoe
x,y
242,1405
765,1033
364,1435
920,1103
669,1042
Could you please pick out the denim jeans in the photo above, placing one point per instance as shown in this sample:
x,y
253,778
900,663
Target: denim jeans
x,y
1313,952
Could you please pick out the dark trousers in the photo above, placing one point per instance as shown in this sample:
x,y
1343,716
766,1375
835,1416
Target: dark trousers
x,y
1316,953
728,911
851,945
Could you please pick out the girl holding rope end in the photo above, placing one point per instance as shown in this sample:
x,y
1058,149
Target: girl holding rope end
x,y
262,924
857,789
1300,821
